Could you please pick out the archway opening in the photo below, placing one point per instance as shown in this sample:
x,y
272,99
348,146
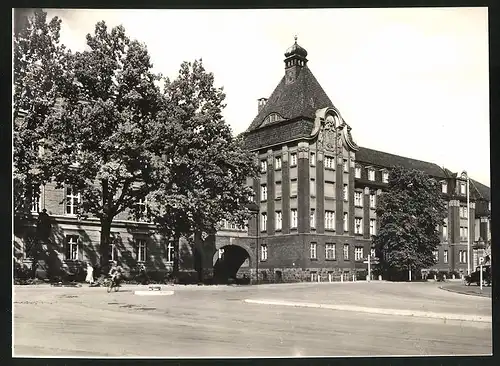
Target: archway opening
x,y
228,261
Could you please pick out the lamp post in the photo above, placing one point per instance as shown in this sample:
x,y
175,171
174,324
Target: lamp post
x,y
255,209
465,176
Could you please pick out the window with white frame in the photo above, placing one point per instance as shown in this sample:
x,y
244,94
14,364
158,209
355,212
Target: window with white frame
x,y
358,225
444,187
314,277
357,172
113,250
277,162
293,159
330,220
373,228
312,187
329,189
171,253
445,256
371,174
462,256
463,233
462,188
279,220
263,221
142,206
73,200
435,254
346,166
263,252
312,218
35,202
312,251
277,190
372,200
72,247
372,253
345,192
141,246
329,162
445,233
263,166
313,159
330,251
346,252
293,222
385,176
464,212
358,253
293,187
346,221
358,199
263,192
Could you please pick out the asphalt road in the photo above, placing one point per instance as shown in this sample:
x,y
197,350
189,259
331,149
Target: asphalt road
x,y
214,321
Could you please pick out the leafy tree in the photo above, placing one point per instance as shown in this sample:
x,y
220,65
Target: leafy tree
x,y
202,172
97,142
410,210
39,67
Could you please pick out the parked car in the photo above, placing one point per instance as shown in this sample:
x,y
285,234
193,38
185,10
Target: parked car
x,y
474,277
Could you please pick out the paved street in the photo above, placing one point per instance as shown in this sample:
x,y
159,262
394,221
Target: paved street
x,y
215,321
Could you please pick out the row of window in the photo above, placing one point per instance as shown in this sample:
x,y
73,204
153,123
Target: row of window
x,y
329,221
74,249
462,256
330,252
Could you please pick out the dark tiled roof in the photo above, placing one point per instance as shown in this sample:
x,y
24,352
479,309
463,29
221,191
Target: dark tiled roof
x,y
383,159
278,133
299,99
481,189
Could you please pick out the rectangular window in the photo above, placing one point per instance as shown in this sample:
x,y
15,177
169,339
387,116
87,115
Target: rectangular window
x,y
312,218
263,221
371,174
171,253
358,253
293,222
221,253
35,202
277,190
279,220
462,188
142,207
141,250
113,250
314,277
445,256
330,220
435,253
330,251
312,188
357,172
345,192
329,162
358,199
373,228
277,162
73,200
385,177
462,256
329,189
346,222
263,252
444,187
372,253
263,166
72,247
263,192
293,159
445,233
358,225
313,251
346,252
372,200
346,166
313,159
293,188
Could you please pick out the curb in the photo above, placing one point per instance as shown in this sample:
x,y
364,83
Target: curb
x,y
465,293
411,313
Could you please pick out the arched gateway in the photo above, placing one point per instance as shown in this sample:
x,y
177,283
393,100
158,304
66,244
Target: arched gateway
x,y
228,260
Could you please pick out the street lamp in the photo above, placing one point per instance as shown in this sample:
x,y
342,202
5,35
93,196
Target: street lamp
x,y
465,176
255,209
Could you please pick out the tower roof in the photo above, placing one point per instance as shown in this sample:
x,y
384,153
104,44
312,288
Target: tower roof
x,y
295,49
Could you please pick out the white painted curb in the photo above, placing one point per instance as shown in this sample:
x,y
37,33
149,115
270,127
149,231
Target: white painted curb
x,y
415,313
153,293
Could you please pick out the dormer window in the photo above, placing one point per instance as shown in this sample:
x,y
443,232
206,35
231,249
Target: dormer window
x,y
274,117
371,174
444,187
385,176
357,172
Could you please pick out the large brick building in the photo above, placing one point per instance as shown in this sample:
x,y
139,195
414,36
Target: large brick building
x,y
316,195
318,190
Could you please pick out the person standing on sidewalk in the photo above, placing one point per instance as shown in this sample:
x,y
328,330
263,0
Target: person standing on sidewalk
x,y
90,274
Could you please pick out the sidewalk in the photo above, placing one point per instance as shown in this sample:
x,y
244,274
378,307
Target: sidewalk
x,y
467,290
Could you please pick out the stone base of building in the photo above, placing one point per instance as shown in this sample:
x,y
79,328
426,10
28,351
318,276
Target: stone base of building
x,y
291,275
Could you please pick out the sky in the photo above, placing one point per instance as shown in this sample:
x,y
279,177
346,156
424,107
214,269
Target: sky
x,y
409,81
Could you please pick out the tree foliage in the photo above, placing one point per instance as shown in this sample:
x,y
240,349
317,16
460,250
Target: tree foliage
x,y
410,210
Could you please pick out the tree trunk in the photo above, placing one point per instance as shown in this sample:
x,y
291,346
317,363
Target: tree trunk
x,y
176,256
104,247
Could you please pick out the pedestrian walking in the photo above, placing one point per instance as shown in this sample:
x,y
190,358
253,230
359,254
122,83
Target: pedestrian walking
x,y
90,274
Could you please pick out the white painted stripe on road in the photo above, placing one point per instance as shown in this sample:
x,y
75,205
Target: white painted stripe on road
x,y
153,293
415,313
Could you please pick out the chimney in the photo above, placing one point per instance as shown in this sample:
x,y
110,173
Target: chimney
x,y
262,103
